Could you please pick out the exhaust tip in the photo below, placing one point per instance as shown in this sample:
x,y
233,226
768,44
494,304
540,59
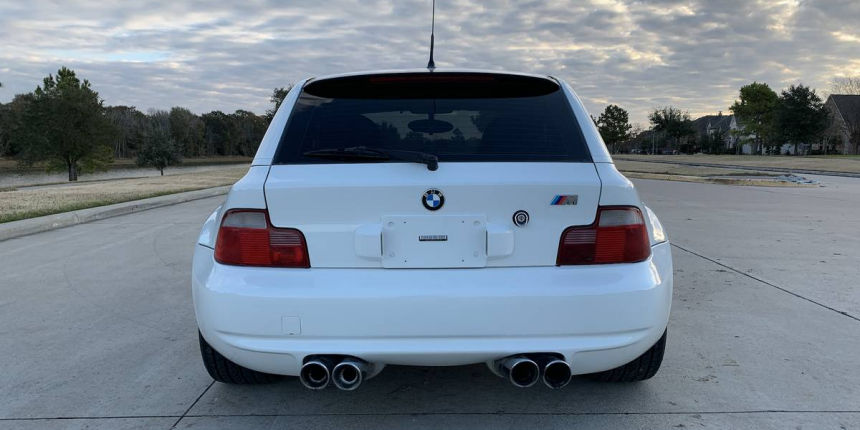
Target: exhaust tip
x,y
348,374
556,374
522,372
314,375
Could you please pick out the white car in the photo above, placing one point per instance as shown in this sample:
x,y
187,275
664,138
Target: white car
x,y
432,218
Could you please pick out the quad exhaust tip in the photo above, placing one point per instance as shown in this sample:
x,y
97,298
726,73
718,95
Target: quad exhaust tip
x,y
525,370
556,374
315,374
520,371
349,374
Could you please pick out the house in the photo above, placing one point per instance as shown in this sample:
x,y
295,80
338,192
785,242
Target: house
x,y
725,125
844,131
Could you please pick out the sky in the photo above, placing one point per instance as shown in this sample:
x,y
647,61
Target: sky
x,y
225,56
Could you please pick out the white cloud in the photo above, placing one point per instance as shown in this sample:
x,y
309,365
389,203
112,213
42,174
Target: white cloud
x,y
227,56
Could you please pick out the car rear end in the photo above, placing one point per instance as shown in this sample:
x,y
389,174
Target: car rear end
x,y
524,244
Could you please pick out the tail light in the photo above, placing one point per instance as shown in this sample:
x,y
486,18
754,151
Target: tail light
x,y
247,238
618,235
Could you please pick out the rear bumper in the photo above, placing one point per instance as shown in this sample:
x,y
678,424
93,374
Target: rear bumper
x,y
597,317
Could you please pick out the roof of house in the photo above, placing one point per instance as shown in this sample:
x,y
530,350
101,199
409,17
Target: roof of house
x,y
848,106
722,122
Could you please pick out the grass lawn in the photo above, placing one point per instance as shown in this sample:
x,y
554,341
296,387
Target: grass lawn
x,y
29,202
834,163
10,166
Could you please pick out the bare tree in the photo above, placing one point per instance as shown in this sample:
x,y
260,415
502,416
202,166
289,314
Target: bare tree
x,y
845,85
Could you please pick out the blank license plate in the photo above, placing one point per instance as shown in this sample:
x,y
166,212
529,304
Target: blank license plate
x,y
434,241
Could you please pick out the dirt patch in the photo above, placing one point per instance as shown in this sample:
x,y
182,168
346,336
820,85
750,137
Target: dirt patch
x,y
678,169
749,181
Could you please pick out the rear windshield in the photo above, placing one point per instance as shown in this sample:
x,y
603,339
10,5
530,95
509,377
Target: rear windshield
x,y
457,117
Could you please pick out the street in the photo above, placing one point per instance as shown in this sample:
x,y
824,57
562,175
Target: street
x,y
97,331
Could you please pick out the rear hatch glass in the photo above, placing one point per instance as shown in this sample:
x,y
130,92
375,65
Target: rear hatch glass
x,y
458,117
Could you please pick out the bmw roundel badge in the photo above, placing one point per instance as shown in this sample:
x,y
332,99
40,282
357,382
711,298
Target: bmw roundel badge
x,y
433,199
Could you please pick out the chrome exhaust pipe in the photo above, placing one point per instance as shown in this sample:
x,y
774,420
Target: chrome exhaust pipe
x,y
349,374
315,373
556,373
520,371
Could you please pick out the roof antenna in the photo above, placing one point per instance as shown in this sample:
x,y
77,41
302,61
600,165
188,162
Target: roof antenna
x,y
430,64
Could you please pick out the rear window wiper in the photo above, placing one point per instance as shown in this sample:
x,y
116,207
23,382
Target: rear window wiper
x,y
364,152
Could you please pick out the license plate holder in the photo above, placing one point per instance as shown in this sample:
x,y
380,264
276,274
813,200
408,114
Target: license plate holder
x,y
438,241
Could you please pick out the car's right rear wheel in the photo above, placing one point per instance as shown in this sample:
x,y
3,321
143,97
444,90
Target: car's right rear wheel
x,y
643,367
223,370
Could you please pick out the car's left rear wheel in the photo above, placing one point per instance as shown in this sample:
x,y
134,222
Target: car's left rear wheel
x,y
223,370
642,368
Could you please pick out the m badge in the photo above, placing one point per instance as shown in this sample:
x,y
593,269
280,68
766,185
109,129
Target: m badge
x,y
565,200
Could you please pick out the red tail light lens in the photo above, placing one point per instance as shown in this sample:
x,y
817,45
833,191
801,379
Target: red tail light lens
x,y
618,235
247,238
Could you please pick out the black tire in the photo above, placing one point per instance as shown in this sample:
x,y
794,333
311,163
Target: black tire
x,y
223,370
640,369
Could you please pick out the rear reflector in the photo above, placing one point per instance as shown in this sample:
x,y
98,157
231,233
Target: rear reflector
x,y
247,238
618,235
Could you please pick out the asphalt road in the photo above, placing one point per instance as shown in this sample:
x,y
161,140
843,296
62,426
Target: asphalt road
x,y
97,331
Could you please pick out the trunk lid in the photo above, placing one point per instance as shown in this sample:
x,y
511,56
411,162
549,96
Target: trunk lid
x,y
372,215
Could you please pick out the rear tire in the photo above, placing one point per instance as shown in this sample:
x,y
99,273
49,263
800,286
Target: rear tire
x,y
223,370
640,369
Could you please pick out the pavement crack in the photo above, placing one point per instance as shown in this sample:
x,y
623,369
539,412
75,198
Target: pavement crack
x,y
184,414
753,277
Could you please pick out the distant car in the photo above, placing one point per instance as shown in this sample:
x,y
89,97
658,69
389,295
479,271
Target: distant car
x,y
432,218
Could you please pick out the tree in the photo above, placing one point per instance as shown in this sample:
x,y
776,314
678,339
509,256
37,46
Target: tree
x,y
845,85
219,133
250,129
130,124
187,129
614,126
4,129
159,148
12,117
755,110
672,122
801,116
278,96
65,125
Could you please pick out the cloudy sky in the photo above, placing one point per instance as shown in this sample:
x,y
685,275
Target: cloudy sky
x,y
637,54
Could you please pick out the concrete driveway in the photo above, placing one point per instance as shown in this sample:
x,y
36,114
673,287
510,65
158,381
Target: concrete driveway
x,y
97,331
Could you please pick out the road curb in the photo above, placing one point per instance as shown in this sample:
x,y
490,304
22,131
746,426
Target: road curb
x,y
29,226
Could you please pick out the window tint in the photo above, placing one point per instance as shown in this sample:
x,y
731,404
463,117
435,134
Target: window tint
x,y
474,117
